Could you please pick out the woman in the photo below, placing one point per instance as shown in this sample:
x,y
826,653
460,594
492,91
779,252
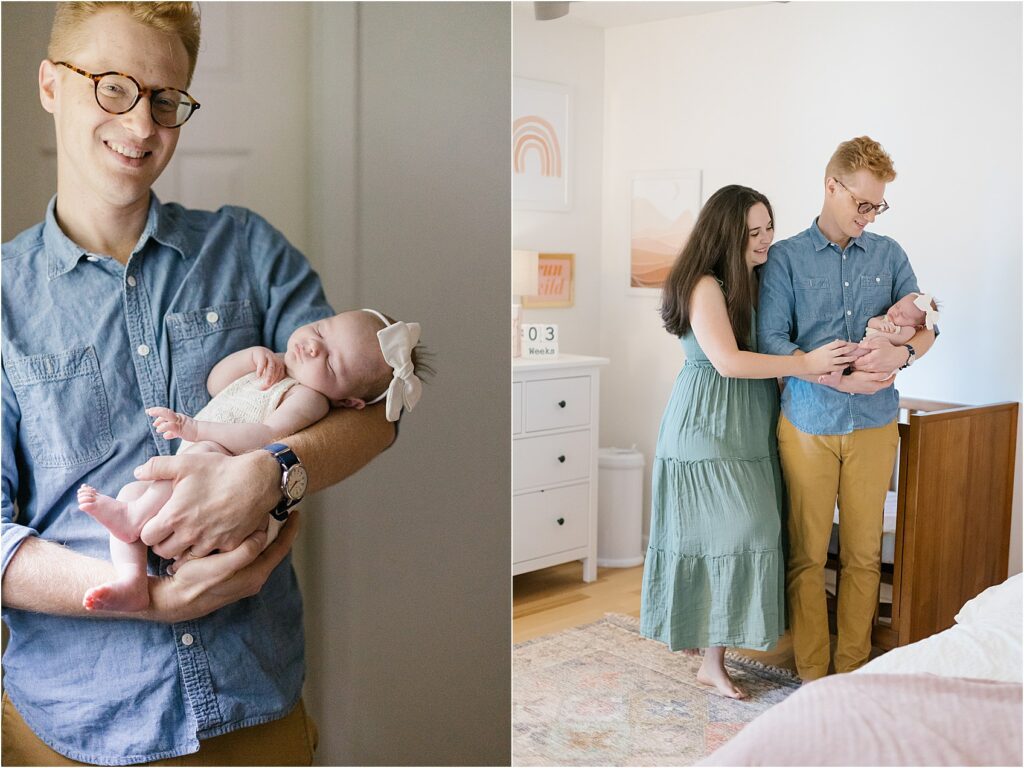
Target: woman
x,y
714,573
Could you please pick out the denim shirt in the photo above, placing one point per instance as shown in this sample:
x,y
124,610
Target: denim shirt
x,y
811,293
88,345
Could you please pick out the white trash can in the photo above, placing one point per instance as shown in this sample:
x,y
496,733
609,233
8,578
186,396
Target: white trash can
x,y
619,508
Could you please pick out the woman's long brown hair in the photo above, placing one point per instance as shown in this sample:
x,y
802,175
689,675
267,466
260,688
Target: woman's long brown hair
x,y
716,247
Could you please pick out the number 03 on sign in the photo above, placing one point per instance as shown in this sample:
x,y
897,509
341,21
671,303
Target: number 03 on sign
x,y
540,340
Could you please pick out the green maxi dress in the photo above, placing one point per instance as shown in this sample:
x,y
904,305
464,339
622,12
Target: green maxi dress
x,y
714,573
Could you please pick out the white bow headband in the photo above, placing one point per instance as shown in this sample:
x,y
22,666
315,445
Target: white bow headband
x,y
396,342
931,315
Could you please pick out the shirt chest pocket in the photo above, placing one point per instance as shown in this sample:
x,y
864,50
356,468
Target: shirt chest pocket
x,y
876,292
64,415
200,338
813,299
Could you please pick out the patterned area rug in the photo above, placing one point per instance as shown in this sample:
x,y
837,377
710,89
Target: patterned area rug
x,y
603,695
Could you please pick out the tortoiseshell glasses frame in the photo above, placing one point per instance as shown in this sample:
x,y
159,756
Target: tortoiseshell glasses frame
x,y
864,207
171,111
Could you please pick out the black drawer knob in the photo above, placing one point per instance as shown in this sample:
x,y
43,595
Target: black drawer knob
x,y
561,459
561,521
561,403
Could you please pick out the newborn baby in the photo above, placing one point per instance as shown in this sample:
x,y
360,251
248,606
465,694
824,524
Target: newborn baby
x,y
351,360
898,326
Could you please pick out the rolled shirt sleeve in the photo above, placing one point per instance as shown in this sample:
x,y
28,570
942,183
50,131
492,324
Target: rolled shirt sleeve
x,y
13,533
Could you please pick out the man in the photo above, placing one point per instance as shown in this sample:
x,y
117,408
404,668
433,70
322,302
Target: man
x,y
838,443
113,304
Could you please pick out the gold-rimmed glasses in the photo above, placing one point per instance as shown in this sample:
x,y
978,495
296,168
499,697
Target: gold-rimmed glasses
x,y
863,206
118,93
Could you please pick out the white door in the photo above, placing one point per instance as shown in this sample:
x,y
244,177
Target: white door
x,y
247,143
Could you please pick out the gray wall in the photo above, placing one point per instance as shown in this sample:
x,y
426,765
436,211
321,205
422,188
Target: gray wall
x,y
405,566
407,581
28,182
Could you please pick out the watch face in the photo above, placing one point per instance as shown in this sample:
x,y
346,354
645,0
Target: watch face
x,y
295,483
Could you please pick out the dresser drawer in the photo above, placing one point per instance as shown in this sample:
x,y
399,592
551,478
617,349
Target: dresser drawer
x,y
536,530
517,407
556,403
550,459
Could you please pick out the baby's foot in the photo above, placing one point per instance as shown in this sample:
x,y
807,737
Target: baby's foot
x,y
718,678
122,595
113,514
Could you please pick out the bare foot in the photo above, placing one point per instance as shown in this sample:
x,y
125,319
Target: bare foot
x,y
123,595
110,513
718,678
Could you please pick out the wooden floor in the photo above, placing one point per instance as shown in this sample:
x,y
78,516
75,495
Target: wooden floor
x,y
553,599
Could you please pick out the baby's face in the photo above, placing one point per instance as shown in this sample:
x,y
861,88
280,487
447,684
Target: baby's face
x,y
338,356
904,313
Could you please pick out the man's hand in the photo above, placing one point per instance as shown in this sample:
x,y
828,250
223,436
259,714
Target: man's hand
x,y
201,586
217,501
860,382
884,357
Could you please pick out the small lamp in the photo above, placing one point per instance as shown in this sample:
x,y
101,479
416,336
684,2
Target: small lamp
x,y
525,282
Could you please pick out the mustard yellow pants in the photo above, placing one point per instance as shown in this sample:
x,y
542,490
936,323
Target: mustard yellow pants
x,y
292,740
819,469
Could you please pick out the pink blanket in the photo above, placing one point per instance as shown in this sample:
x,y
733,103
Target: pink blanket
x,y
867,719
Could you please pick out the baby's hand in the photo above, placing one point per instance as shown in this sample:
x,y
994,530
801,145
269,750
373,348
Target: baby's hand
x,y
885,325
269,368
172,424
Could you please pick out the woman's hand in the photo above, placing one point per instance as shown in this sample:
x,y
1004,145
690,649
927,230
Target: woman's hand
x,y
834,356
861,382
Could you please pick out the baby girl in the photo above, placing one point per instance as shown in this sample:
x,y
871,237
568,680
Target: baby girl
x,y
351,360
898,326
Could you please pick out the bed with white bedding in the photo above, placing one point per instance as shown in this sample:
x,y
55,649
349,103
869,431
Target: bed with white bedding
x,y
954,698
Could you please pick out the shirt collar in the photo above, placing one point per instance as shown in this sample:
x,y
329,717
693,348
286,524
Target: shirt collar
x,y
821,242
63,254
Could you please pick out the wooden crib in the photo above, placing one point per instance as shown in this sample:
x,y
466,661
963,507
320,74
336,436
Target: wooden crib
x,y
954,497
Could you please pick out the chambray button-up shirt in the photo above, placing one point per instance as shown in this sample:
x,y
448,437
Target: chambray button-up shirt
x,y
811,293
87,346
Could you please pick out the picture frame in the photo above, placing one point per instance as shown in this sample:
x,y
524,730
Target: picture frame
x,y
556,282
664,206
541,149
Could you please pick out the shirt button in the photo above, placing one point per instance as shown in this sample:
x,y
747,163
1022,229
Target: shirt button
x,y
848,312
131,280
187,639
844,257
143,350
212,317
878,279
846,285
92,258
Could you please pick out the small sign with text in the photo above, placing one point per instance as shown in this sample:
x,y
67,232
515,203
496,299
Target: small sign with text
x,y
540,340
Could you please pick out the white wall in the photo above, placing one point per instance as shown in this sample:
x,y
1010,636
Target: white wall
x,y
761,96
565,53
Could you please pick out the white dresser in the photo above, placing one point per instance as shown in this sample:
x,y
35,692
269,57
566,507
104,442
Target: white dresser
x,y
554,462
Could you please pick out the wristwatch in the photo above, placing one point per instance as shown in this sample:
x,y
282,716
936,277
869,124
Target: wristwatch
x,y
293,479
910,359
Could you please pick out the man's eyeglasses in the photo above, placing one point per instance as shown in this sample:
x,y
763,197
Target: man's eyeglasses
x,y
118,93
862,206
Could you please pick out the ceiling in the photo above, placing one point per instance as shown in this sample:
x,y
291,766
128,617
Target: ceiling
x,y
615,13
